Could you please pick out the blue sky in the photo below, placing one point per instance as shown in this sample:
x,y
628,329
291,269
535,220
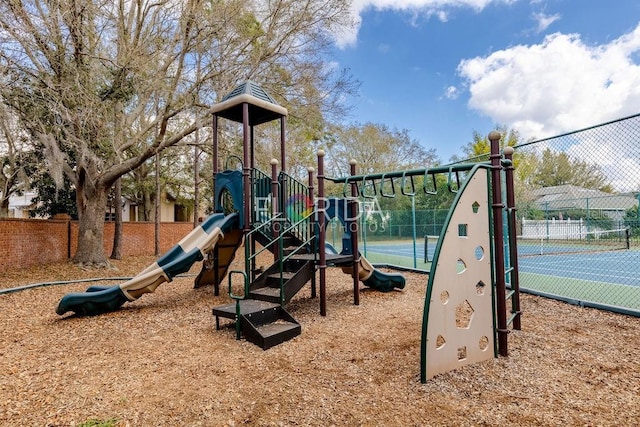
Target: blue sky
x,y
443,69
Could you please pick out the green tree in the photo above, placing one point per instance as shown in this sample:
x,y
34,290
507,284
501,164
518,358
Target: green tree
x,y
479,148
53,199
632,220
525,163
104,86
376,148
557,168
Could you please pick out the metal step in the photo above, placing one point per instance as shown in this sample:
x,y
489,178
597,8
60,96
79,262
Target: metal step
x,y
270,328
286,275
266,294
276,327
262,323
267,286
247,307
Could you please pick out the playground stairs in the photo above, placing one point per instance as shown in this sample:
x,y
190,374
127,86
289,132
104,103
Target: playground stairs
x,y
265,236
263,323
263,319
294,275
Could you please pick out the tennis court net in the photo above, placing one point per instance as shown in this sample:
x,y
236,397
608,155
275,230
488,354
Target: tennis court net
x,y
592,241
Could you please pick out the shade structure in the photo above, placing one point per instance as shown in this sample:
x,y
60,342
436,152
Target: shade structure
x,y
262,107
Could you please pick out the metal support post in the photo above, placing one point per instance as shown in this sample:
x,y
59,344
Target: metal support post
x,y
513,248
322,266
498,239
352,223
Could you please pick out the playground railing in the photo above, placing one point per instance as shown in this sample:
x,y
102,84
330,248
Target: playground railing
x,y
302,230
249,258
238,297
262,193
265,229
309,242
295,200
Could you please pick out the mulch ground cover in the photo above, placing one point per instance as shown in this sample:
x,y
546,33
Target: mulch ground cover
x,y
160,362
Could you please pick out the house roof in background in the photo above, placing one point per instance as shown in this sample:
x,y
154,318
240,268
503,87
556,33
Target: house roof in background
x,y
565,197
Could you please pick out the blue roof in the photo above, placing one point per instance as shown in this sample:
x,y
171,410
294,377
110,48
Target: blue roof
x,y
250,88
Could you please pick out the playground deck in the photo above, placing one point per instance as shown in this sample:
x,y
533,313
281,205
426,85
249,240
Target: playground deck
x,y
158,361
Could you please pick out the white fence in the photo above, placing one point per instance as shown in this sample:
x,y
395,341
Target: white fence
x,y
555,229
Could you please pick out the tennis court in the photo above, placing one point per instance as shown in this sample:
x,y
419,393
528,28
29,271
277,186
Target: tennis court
x,y
591,274
400,253
620,267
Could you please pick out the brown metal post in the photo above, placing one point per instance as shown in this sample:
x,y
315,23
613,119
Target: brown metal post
x,y
498,239
311,200
283,151
215,145
246,170
252,148
322,266
214,131
274,206
353,228
284,190
252,200
513,246
196,181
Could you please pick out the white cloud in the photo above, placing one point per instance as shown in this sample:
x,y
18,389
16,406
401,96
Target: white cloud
x,y
544,21
442,16
436,8
556,86
619,163
452,92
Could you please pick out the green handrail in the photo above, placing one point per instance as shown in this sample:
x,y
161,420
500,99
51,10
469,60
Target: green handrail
x,y
232,156
282,258
290,190
306,240
238,298
247,248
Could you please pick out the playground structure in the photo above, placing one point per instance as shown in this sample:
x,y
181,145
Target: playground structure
x,y
465,316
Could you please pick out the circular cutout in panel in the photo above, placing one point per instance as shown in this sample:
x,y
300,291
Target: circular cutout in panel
x,y
484,343
479,253
440,342
461,266
444,297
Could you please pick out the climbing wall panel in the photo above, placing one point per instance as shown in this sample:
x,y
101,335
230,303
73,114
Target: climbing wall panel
x,y
459,307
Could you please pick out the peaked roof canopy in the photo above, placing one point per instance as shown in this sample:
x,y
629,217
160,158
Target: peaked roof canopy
x,y
262,107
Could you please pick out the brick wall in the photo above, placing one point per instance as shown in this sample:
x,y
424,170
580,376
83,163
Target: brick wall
x,y
27,242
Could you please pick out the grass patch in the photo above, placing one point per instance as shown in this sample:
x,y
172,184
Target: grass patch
x,y
583,290
111,422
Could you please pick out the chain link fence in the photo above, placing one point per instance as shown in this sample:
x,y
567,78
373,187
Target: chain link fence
x,y
578,222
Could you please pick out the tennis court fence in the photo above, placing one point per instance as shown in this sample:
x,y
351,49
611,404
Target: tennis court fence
x,y
577,207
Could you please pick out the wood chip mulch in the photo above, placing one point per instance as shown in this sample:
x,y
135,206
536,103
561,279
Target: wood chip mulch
x,y
160,362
